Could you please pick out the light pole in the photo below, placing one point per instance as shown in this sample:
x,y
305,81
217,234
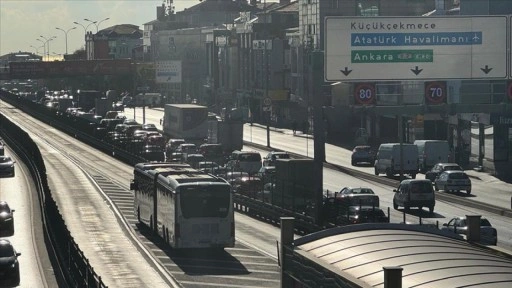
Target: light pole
x,y
66,36
96,23
44,46
37,48
85,27
47,40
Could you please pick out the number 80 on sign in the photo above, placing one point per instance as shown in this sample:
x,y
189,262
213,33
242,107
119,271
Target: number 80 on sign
x,y
364,93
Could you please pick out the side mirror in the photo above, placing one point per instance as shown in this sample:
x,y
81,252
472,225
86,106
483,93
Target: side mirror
x,y
12,210
395,190
445,224
133,185
18,254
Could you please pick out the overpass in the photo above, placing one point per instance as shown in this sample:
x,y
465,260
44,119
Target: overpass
x,y
62,69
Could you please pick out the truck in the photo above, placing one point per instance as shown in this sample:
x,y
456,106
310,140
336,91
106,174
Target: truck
x,y
103,105
228,133
86,99
186,121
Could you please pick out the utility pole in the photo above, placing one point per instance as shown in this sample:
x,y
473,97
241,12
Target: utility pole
x,y
266,73
316,62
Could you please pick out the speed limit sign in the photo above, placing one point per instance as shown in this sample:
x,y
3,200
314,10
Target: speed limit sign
x,y
435,92
509,90
364,93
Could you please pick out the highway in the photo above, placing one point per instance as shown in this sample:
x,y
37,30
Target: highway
x,y
486,189
92,189
28,239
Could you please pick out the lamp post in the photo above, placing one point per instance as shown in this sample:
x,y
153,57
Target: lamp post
x,y
66,36
44,46
47,40
96,23
37,48
85,27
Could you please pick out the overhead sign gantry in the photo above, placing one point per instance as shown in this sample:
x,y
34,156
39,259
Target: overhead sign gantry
x,y
415,48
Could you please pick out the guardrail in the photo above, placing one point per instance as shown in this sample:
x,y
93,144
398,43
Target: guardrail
x,y
73,265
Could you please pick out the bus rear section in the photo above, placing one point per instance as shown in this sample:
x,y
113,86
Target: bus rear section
x,y
195,209
205,216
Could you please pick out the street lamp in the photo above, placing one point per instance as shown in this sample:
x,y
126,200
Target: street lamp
x,y
47,40
85,27
66,35
96,23
37,48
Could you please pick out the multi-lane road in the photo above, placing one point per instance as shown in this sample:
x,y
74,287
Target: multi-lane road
x,y
28,239
91,189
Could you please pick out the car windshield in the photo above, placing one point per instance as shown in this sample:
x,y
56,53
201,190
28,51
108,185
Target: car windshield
x,y
6,251
4,208
452,168
5,159
250,157
458,176
421,187
361,191
362,149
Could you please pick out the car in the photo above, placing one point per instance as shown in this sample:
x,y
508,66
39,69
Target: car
x,y
250,186
272,156
440,168
213,152
414,193
453,181
193,159
172,144
207,166
362,154
153,153
187,148
267,173
488,234
7,166
149,127
9,266
363,214
231,176
362,196
6,219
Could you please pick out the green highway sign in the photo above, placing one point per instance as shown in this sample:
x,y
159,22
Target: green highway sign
x,y
392,56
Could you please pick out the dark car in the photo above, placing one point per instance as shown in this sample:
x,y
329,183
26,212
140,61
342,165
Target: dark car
x,y
362,154
149,127
9,266
488,234
153,153
7,166
267,173
213,152
439,168
363,214
6,219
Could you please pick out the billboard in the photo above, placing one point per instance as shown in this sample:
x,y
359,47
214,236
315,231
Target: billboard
x,y
168,71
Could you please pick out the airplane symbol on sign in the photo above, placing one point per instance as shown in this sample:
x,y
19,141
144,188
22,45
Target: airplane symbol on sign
x,y
476,38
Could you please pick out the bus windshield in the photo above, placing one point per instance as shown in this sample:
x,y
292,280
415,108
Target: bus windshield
x,y
205,201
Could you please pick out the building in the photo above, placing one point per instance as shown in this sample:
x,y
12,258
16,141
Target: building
x,y
115,42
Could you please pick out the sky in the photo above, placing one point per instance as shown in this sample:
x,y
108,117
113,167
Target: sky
x,y
22,22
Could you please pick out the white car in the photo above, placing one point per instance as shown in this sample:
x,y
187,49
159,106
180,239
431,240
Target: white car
x,y
453,180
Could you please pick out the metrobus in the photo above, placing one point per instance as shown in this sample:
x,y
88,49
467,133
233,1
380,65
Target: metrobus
x,y
184,206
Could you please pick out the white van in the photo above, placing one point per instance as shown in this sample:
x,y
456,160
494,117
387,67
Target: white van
x,y
431,152
388,161
414,193
244,161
